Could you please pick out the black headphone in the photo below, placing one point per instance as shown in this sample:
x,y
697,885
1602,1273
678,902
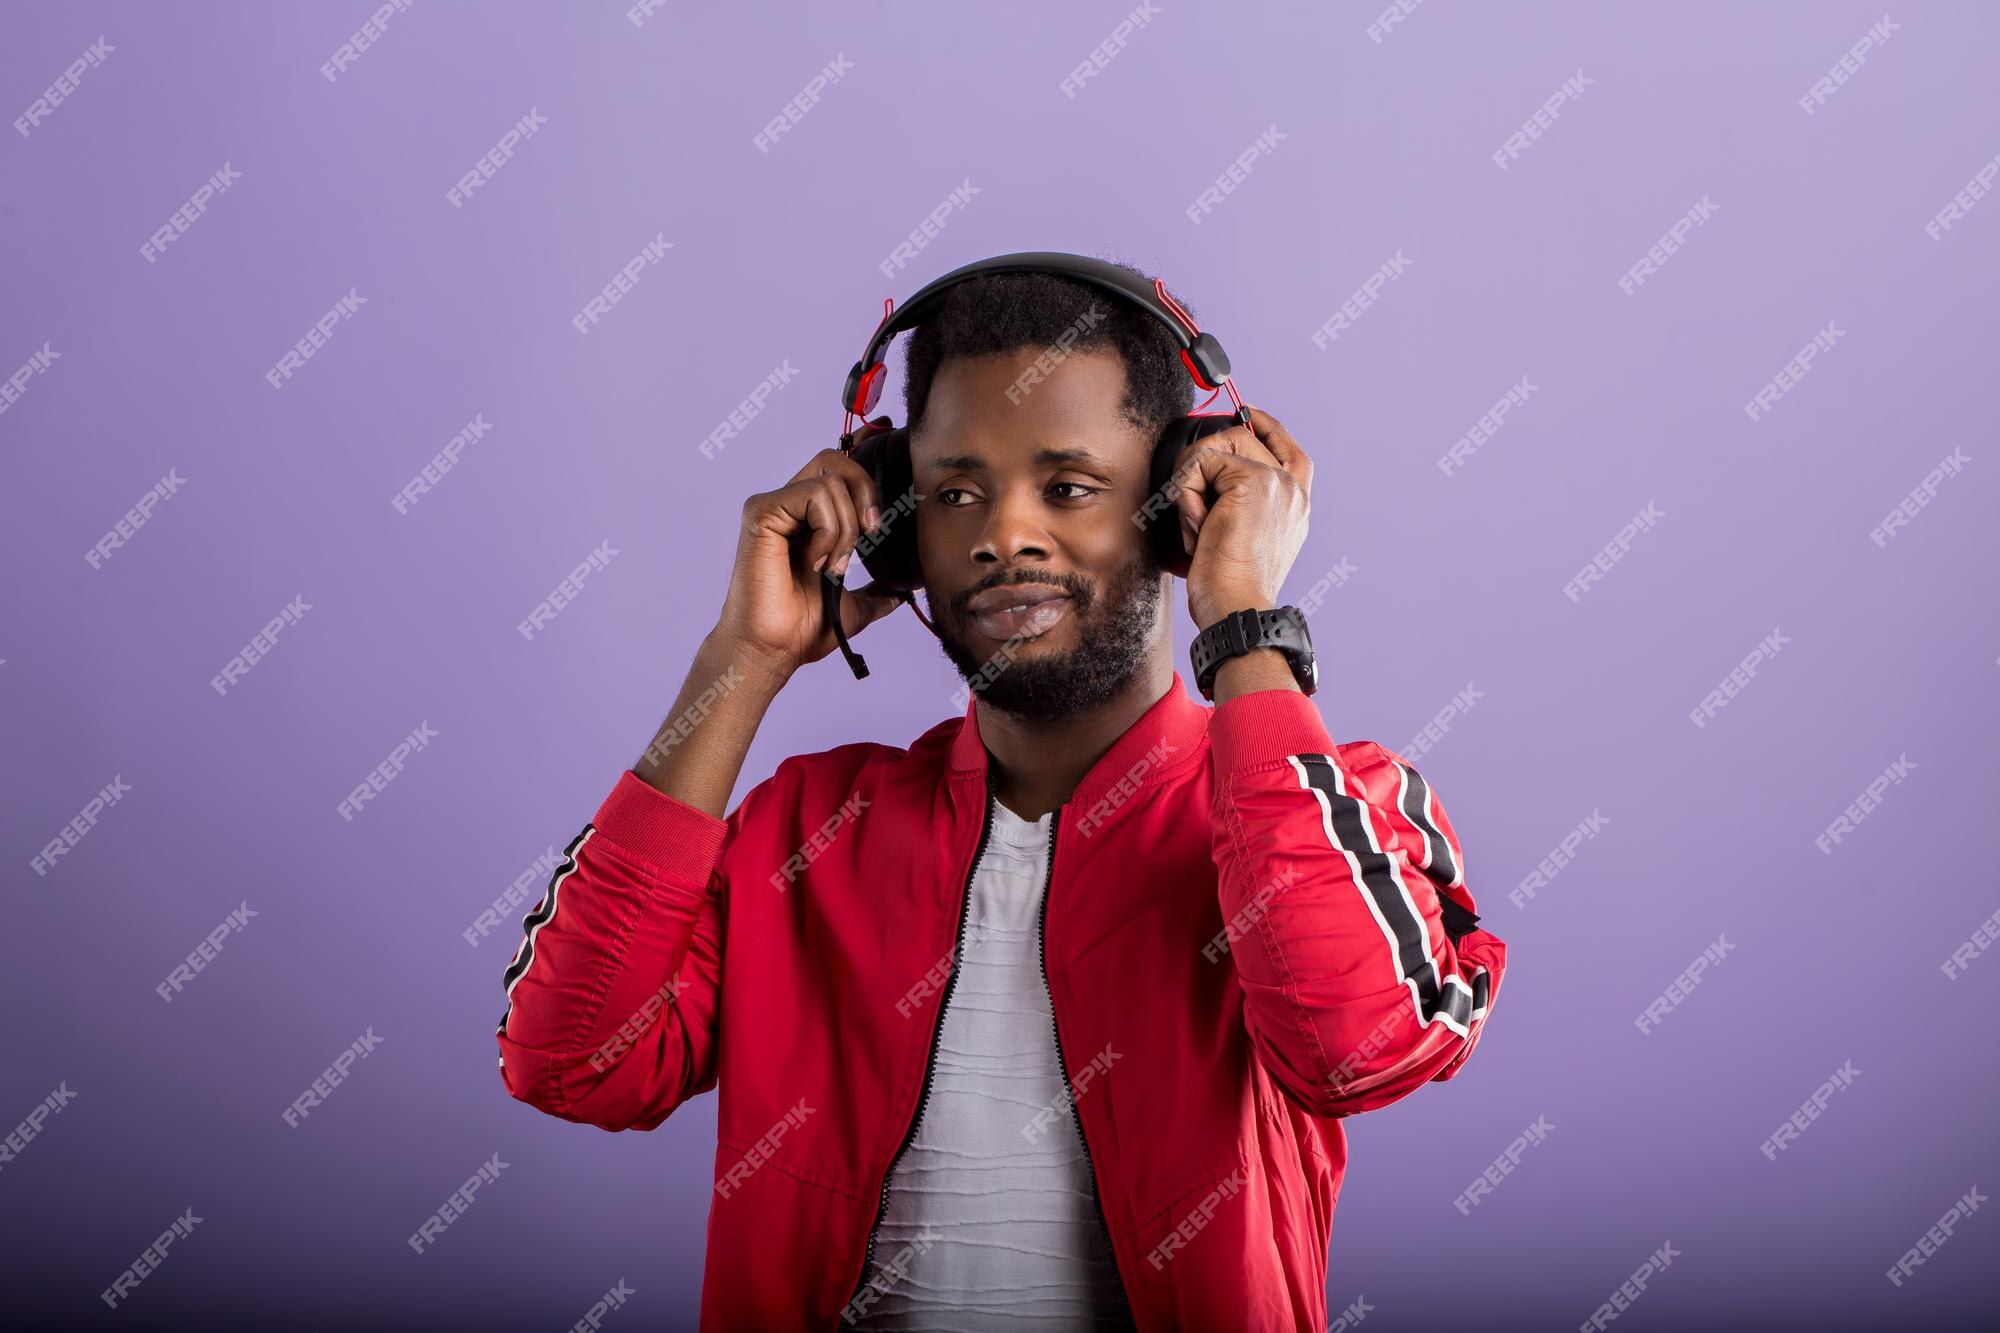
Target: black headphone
x,y
890,554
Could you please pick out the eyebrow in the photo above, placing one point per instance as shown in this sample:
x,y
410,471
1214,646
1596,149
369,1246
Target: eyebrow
x,y
976,463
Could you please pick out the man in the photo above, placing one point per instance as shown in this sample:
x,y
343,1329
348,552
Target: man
x,y
1051,1017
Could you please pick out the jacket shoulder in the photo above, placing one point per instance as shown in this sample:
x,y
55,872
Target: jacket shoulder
x,y
1356,756
854,764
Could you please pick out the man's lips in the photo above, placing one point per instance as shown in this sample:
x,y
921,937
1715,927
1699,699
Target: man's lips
x,y
1028,622
1018,611
1013,594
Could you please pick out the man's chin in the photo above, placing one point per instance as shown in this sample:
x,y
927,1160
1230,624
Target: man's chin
x,y
1038,679
1059,638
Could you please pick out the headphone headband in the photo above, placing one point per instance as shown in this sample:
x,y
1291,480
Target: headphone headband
x,y
1200,352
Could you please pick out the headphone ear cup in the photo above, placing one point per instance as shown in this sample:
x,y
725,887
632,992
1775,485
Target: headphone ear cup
x,y
890,555
1163,522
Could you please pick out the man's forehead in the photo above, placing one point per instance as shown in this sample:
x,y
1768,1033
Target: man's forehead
x,y
980,415
1077,425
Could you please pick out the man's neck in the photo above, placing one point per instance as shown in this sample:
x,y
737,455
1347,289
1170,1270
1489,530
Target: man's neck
x,y
1037,765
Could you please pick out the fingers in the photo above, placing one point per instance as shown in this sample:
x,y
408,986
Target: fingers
x,y
849,518
1245,445
836,498
1267,444
831,514
835,462
1236,440
1285,451
867,498
1207,469
812,507
862,607
1191,473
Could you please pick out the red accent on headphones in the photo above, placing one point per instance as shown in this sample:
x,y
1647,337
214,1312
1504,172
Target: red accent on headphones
x,y
1188,361
871,388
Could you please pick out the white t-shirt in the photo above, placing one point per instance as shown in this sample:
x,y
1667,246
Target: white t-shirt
x,y
989,1222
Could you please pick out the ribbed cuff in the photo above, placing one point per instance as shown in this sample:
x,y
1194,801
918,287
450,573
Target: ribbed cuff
x,y
1263,725
672,834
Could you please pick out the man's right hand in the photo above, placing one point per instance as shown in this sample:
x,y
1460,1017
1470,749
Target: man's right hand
x,y
774,606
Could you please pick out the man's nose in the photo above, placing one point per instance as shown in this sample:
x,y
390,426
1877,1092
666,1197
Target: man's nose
x,y
1013,529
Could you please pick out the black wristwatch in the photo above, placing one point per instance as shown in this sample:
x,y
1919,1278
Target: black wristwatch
x,y
1241,631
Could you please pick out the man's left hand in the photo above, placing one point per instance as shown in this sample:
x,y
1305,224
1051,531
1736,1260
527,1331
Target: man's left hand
x,y
1243,501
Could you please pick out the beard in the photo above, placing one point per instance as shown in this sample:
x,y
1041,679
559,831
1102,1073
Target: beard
x,y
1114,632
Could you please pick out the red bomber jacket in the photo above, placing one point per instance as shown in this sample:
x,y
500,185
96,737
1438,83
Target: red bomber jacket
x,y
1248,933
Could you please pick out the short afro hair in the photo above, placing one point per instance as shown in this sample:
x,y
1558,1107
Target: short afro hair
x,y
1001,312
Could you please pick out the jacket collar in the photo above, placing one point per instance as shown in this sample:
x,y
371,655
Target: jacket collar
x,y
1163,737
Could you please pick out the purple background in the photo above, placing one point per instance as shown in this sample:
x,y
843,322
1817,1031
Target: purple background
x,y
1581,705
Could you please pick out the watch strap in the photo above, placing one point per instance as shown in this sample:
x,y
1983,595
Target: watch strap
x,y
1240,632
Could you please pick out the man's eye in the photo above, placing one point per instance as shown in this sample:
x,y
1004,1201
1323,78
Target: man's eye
x,y
944,494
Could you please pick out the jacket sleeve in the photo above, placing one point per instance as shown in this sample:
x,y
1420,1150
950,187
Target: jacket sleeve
x,y
612,994
1343,897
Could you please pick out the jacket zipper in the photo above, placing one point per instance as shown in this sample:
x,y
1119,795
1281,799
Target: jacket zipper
x,y
937,1029
1062,1065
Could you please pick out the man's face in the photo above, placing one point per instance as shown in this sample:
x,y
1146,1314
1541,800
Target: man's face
x,y
1043,591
